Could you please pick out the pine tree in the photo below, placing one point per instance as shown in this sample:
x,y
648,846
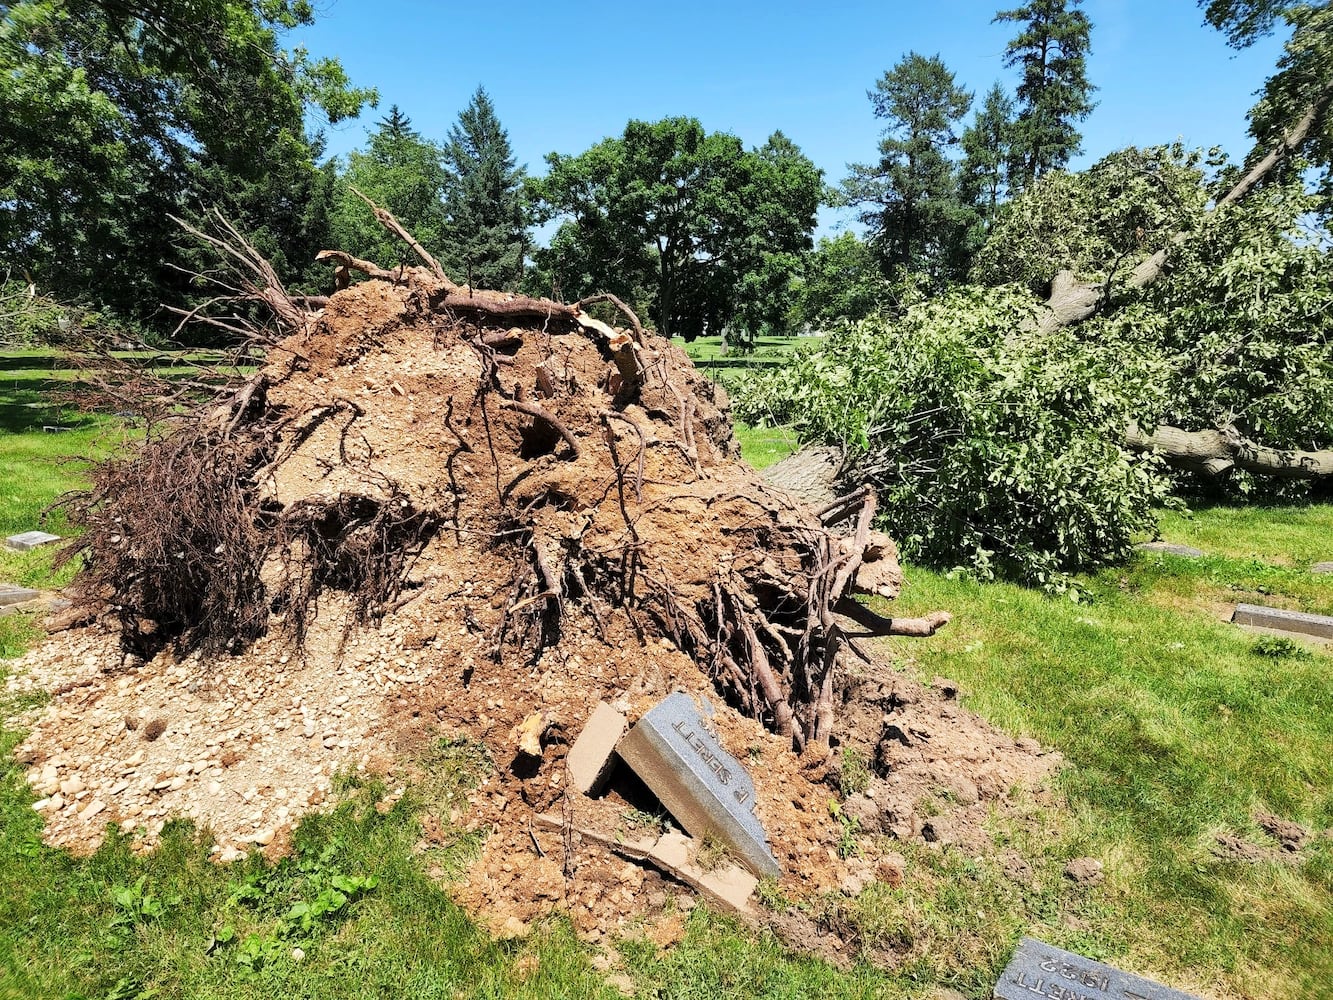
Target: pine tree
x,y
910,198
1054,93
487,241
986,145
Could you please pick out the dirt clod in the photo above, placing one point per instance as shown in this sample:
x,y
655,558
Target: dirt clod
x,y
1290,835
1085,871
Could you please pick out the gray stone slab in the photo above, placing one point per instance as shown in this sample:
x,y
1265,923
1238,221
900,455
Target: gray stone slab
x,y
30,540
700,784
1171,549
10,594
1041,970
1322,567
593,754
1286,621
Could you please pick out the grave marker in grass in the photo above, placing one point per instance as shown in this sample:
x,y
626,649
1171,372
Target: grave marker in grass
x,y
1285,621
10,594
1041,970
30,540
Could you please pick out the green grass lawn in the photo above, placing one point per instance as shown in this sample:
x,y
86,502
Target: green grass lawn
x,y
1175,725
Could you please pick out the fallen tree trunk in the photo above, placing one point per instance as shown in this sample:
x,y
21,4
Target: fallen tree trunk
x,y
1215,453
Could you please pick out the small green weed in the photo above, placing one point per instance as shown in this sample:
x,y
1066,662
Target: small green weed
x,y
135,905
1279,647
712,853
853,772
641,819
304,895
848,844
770,895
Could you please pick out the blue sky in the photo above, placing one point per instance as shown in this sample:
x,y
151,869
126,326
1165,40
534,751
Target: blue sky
x,y
564,76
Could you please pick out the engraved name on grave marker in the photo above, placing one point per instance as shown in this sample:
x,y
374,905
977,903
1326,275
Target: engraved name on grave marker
x,y
700,784
1041,970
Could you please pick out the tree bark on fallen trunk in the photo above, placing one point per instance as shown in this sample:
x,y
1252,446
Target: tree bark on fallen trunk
x,y
1071,301
1214,453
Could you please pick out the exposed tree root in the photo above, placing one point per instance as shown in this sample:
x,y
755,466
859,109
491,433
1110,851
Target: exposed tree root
x,y
618,494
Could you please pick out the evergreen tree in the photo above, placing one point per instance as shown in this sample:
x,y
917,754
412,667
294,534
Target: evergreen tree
x,y
1054,93
984,175
486,239
910,198
403,172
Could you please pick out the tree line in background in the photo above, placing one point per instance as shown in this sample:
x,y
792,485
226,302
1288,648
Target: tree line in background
x,y
1017,355
122,115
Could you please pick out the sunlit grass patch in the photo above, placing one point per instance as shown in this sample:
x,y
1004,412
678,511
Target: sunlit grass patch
x,y
1173,729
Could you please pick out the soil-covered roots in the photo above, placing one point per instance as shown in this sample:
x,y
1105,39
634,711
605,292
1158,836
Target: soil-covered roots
x,y
412,424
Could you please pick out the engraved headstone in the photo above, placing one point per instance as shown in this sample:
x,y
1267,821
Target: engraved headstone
x,y
1287,621
699,783
30,540
1041,970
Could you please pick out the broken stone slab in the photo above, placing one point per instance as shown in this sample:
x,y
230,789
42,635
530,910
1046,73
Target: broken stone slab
x,y
730,887
10,594
1285,621
30,540
1171,549
1042,970
593,754
699,783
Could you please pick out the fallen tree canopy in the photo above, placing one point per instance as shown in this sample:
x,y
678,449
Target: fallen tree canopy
x,y
1140,321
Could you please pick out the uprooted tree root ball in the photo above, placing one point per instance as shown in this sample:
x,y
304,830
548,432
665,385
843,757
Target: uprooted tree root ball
x,y
595,461
444,521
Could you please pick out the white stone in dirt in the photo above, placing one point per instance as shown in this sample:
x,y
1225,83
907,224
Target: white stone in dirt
x,y
592,756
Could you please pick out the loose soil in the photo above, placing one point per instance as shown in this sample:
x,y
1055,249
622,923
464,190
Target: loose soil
x,y
473,642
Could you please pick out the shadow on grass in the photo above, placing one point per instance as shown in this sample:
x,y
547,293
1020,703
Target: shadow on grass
x,y
30,408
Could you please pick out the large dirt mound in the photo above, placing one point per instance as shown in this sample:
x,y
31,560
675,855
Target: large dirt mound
x,y
421,523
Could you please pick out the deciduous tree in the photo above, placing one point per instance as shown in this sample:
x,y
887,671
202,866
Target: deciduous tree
x,y
115,114
684,222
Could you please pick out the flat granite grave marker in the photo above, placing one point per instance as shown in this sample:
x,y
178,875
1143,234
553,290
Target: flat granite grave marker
x,y
1041,970
10,594
1171,549
30,540
699,783
1286,621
